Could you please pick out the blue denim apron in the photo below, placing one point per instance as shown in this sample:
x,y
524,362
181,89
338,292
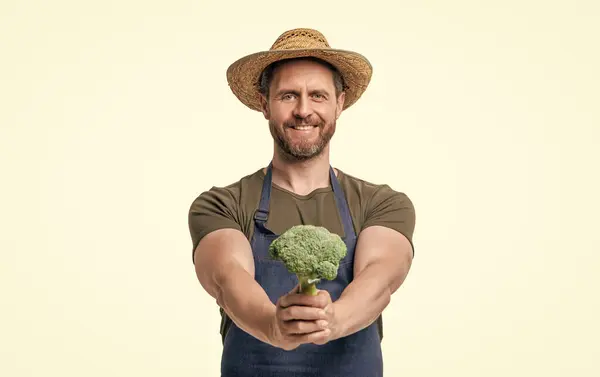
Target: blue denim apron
x,y
357,355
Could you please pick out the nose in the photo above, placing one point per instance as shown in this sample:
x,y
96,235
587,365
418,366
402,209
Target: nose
x,y
302,109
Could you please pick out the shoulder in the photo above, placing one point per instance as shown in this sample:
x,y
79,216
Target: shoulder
x,y
223,207
370,193
229,195
378,204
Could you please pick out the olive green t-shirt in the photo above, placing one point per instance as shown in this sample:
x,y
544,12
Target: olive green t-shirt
x,y
233,206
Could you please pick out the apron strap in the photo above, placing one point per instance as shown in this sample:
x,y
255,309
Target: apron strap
x,y
342,205
262,213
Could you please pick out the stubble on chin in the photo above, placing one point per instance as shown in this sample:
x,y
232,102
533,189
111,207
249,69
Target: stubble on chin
x,y
300,152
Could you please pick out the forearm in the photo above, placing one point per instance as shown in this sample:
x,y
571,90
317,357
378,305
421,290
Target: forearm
x,y
366,297
225,268
246,303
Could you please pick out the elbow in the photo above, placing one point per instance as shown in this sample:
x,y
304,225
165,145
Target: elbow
x,y
213,286
209,280
400,273
218,295
386,296
208,284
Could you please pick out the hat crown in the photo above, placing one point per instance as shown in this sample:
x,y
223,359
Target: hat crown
x,y
243,75
300,39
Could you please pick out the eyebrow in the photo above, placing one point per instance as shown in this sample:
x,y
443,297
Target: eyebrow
x,y
295,92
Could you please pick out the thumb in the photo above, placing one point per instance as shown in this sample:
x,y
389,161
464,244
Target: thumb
x,y
323,292
295,290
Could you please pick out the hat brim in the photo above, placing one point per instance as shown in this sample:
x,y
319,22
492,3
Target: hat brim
x,y
244,74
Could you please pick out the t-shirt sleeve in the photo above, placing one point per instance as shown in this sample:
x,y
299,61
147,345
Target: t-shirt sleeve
x,y
391,209
212,210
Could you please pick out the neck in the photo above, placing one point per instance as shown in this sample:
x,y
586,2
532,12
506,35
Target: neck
x,y
301,177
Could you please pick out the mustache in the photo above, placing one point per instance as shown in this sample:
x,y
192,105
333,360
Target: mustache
x,y
302,122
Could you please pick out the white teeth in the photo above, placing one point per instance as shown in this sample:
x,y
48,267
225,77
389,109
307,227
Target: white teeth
x,y
303,127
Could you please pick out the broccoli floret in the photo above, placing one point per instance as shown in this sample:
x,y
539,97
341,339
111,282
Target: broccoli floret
x,y
311,252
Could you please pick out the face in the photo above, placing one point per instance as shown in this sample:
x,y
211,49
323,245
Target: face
x,y
302,109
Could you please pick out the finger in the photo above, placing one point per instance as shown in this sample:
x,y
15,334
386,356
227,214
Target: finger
x,y
324,299
304,313
318,301
316,337
321,341
284,301
319,337
294,290
325,294
303,327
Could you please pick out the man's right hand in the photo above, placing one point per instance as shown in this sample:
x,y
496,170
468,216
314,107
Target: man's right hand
x,y
225,267
299,319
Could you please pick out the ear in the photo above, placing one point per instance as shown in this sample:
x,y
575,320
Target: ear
x,y
264,105
340,104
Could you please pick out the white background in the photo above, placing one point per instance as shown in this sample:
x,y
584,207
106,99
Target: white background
x,y
115,115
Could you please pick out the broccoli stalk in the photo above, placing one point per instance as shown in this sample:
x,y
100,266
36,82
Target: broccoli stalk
x,y
311,252
308,284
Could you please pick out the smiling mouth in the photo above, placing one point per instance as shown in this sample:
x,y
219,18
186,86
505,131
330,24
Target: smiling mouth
x,y
303,128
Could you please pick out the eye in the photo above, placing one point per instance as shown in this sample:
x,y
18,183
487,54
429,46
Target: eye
x,y
288,97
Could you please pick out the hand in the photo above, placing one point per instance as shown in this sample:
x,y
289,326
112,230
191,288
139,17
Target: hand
x,y
330,318
299,319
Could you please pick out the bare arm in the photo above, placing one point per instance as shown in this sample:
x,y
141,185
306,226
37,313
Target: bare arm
x,y
225,268
382,261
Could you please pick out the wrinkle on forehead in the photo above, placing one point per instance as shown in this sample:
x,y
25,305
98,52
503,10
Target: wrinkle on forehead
x,y
302,75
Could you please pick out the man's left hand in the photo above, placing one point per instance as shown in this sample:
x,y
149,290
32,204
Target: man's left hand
x,y
331,318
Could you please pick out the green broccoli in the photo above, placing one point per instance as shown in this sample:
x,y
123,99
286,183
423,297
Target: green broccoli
x,y
311,252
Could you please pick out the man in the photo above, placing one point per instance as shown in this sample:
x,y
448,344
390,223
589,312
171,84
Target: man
x,y
301,85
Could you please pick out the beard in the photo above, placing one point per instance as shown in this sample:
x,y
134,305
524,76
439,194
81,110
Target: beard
x,y
304,148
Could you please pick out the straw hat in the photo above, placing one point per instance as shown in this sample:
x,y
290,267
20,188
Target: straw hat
x,y
243,75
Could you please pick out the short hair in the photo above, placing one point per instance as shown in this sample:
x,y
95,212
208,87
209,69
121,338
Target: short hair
x,y
266,76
